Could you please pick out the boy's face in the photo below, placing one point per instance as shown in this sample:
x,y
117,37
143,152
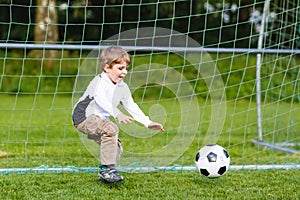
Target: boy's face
x,y
117,72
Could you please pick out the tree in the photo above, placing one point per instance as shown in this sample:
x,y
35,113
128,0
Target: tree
x,y
46,30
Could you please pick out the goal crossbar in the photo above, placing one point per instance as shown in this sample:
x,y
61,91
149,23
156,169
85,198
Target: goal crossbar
x,y
147,48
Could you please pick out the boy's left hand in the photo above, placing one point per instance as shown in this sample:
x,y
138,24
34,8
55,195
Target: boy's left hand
x,y
124,118
156,126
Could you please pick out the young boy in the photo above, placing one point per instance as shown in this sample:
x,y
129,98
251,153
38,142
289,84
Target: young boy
x,y
99,102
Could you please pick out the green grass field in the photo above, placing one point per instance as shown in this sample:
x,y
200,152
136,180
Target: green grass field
x,y
277,184
37,130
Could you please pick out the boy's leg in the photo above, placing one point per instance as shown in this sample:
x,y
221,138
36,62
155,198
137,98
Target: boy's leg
x,y
105,133
109,143
120,151
90,127
110,151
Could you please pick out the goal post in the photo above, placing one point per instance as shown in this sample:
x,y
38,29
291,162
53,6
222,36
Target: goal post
x,y
225,72
288,23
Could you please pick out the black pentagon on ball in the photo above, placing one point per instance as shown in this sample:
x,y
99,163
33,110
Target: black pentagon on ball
x,y
204,172
211,145
222,170
212,157
197,156
226,153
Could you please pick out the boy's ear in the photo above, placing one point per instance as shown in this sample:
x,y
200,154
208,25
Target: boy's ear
x,y
106,68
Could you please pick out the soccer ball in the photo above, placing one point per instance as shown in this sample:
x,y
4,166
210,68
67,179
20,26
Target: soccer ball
x,y
212,161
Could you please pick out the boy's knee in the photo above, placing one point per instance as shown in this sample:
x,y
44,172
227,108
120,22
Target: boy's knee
x,y
95,137
109,128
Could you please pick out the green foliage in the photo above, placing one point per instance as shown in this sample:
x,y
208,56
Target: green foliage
x,y
93,21
22,73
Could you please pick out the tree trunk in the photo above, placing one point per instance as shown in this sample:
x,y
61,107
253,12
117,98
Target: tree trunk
x,y
46,31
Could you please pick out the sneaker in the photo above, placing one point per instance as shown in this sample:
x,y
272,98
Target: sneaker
x,y
110,175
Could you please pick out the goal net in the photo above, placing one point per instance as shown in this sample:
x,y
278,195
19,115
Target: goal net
x,y
279,76
210,72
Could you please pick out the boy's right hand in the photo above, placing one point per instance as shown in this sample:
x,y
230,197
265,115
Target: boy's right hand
x,y
156,126
124,118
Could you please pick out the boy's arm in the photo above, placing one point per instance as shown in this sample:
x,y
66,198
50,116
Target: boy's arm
x,y
113,111
139,116
135,111
106,105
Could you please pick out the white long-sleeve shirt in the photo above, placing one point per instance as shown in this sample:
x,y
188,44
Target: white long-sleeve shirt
x,y
102,98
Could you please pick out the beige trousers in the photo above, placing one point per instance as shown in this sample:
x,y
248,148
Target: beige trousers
x,y
105,133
